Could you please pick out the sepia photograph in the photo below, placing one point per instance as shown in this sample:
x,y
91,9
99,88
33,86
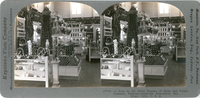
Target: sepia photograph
x,y
143,45
57,43
67,44
99,49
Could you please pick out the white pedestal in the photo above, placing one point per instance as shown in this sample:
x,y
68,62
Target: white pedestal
x,y
55,66
141,82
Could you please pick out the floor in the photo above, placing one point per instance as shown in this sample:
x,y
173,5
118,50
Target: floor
x,y
90,77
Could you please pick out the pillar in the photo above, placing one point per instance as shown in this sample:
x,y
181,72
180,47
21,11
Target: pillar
x,y
141,70
55,65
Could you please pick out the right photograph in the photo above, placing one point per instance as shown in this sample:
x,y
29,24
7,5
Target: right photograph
x,y
143,44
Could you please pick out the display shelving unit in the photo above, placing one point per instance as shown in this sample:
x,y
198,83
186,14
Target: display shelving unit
x,y
33,70
94,53
180,46
180,52
178,32
164,32
118,69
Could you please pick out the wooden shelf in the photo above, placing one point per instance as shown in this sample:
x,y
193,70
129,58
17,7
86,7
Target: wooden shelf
x,y
31,71
31,60
115,78
126,74
29,78
24,60
107,28
116,59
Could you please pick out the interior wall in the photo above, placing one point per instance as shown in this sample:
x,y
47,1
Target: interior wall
x,y
95,14
39,6
139,6
175,11
126,6
63,9
150,8
51,7
86,11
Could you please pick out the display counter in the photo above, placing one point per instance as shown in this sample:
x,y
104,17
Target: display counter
x,y
156,65
33,70
180,52
118,69
69,65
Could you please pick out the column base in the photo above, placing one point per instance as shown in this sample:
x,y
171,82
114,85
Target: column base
x,y
141,84
56,85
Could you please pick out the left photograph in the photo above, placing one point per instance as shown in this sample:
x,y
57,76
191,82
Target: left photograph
x,y
57,44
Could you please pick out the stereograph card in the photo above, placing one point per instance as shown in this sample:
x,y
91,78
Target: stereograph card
x,y
100,48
